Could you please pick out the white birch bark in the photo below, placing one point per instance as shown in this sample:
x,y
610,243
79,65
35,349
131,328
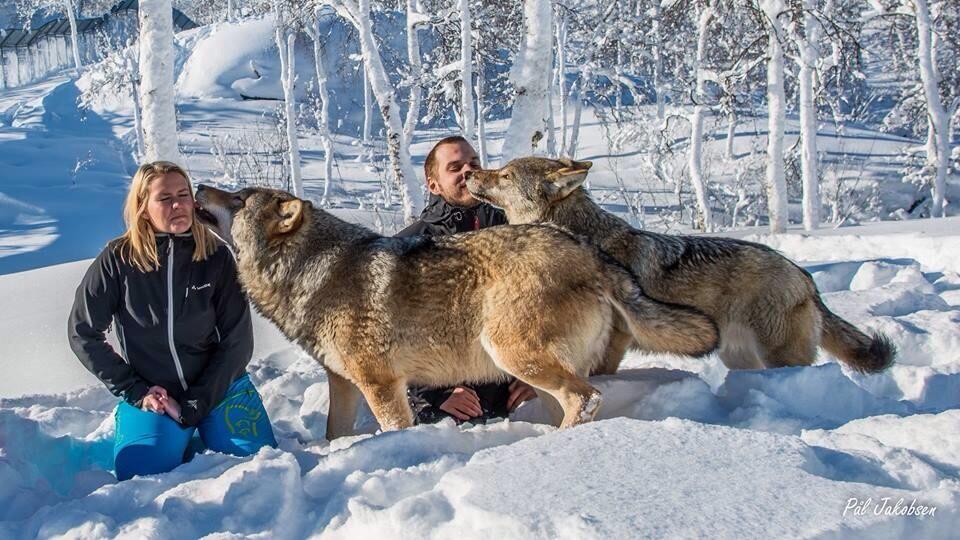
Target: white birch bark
x,y
132,67
285,45
808,45
938,154
74,37
481,123
577,113
705,219
528,118
323,121
467,117
156,81
776,102
416,70
731,133
658,64
551,128
561,77
365,142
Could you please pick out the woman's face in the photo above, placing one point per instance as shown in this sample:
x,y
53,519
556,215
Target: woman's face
x,y
170,204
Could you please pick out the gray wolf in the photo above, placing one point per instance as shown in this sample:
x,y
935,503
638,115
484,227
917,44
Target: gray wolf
x,y
380,313
768,309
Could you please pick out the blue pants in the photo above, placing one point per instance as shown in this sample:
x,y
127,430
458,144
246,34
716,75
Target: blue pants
x,y
150,443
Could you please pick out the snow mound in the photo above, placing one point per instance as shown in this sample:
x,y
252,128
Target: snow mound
x,y
228,59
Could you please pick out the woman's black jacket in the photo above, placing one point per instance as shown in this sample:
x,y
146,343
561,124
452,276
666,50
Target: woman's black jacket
x,y
185,326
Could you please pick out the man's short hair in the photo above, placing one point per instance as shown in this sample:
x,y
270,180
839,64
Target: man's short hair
x,y
431,162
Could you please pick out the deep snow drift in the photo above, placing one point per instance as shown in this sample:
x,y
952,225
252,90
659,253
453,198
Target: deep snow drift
x,y
682,448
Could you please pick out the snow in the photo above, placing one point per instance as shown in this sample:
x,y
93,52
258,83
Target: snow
x,y
219,64
681,447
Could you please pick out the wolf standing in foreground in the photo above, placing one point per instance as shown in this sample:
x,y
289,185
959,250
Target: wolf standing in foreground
x,y
452,210
768,309
380,313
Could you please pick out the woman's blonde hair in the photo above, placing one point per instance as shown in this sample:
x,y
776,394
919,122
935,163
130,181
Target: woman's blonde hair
x,y
138,245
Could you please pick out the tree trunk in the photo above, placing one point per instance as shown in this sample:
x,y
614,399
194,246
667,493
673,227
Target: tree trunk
x,y
561,78
528,118
365,143
938,154
466,73
285,45
551,128
481,123
577,111
156,81
731,133
72,17
776,101
323,121
135,95
658,64
809,55
696,123
416,72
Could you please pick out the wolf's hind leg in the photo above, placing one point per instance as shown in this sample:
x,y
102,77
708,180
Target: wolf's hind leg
x,y
542,370
739,347
343,406
388,401
802,334
620,341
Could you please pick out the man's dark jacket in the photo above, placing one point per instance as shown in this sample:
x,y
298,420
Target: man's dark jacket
x,y
437,219
185,326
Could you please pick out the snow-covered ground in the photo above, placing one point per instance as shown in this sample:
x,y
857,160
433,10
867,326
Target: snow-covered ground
x,y
682,448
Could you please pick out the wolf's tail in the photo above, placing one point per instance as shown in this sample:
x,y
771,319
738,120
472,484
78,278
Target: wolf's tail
x,y
658,326
866,354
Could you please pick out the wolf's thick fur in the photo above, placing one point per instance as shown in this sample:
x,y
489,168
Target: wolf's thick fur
x,y
379,313
768,309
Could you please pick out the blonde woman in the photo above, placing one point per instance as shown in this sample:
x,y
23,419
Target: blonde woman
x,y
170,289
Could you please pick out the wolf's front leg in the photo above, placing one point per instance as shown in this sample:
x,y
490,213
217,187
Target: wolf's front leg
x,y
343,406
388,401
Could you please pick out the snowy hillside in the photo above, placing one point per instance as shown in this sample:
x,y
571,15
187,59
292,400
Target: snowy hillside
x,y
683,448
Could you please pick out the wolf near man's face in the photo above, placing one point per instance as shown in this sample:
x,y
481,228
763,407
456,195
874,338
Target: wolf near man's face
x,y
256,214
528,185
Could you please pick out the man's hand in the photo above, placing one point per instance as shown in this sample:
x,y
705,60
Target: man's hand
x,y
463,404
519,392
154,400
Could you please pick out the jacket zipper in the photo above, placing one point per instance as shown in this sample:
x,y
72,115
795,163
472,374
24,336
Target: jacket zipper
x,y
173,348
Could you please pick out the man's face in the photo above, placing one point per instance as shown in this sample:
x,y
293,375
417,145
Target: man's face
x,y
447,179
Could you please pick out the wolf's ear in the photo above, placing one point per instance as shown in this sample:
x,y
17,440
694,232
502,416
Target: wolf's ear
x,y
561,183
576,165
291,216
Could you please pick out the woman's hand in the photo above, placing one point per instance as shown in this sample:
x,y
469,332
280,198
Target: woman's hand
x,y
154,400
172,408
